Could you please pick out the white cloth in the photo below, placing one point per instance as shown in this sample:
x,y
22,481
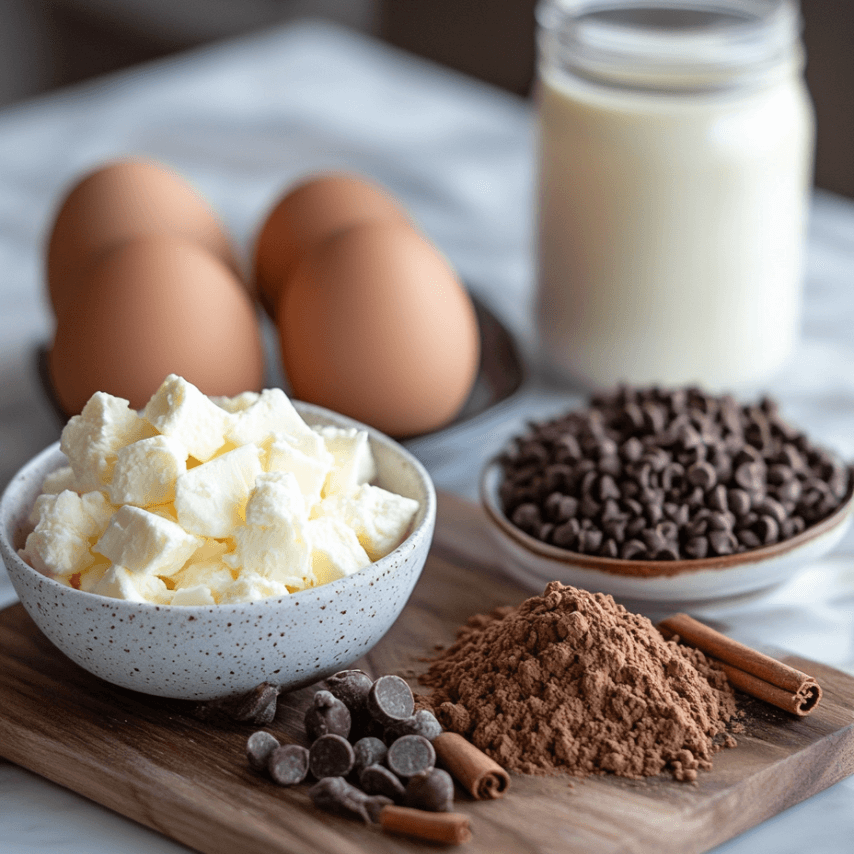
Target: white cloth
x,y
245,118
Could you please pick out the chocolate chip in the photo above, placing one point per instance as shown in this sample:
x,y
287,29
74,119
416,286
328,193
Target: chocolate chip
x,y
793,526
789,491
589,541
633,550
722,542
378,780
749,476
632,449
527,517
738,501
748,538
257,706
697,547
718,499
288,764
423,723
390,699
702,474
610,549
566,535
767,529
331,756
351,687
410,755
432,790
337,795
259,746
368,751
326,714
770,507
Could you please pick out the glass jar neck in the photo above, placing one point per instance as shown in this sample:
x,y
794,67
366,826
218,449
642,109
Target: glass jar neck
x,y
673,46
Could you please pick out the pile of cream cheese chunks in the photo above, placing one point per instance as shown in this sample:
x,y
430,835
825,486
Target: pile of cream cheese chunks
x,y
202,501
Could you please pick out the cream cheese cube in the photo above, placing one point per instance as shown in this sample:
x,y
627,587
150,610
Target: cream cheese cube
x,y
272,543
90,440
306,457
353,461
145,543
379,518
250,587
120,583
60,480
198,595
145,471
271,413
180,410
89,578
67,525
237,403
335,550
276,496
210,499
211,574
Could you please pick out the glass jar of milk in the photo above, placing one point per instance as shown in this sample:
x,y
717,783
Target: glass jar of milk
x,y
675,162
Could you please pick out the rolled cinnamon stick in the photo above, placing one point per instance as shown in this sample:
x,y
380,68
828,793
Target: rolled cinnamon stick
x,y
747,669
481,776
452,828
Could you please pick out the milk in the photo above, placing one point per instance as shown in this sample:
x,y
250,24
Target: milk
x,y
671,228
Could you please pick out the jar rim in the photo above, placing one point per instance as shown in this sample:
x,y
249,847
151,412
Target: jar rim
x,y
670,44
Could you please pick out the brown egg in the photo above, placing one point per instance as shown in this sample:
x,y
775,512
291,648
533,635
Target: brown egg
x,y
374,324
126,198
152,306
307,214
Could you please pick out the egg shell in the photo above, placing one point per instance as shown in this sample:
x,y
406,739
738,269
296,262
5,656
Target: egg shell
x,y
153,306
310,212
374,324
125,199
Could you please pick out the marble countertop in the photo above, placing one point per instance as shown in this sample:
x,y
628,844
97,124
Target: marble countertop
x,y
245,118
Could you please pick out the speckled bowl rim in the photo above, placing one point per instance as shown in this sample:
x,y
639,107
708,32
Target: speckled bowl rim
x,y
423,526
489,485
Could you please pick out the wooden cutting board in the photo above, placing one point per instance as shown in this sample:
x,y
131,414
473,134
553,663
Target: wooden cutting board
x,y
148,759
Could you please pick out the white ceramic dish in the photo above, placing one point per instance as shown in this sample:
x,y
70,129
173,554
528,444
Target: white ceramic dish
x,y
675,584
207,652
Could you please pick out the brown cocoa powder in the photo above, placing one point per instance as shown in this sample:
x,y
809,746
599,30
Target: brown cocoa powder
x,y
572,682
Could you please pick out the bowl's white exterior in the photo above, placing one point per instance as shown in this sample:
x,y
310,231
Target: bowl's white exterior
x,y
206,652
534,564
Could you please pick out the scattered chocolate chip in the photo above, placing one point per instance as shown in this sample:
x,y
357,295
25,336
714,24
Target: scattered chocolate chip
x,y
378,780
431,790
288,764
337,795
259,746
368,751
390,699
331,756
351,688
410,755
326,714
423,723
257,706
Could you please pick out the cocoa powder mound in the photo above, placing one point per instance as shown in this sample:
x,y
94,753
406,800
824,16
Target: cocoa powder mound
x,y
572,682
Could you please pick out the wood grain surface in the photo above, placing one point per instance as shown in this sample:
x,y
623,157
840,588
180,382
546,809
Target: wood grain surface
x,y
149,759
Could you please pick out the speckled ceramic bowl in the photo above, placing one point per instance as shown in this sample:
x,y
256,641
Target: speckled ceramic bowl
x,y
676,584
206,652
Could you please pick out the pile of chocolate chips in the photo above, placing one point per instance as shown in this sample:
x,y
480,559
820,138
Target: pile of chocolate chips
x,y
656,474
369,748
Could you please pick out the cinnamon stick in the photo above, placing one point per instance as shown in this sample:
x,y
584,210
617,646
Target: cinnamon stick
x,y
452,828
481,776
747,669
